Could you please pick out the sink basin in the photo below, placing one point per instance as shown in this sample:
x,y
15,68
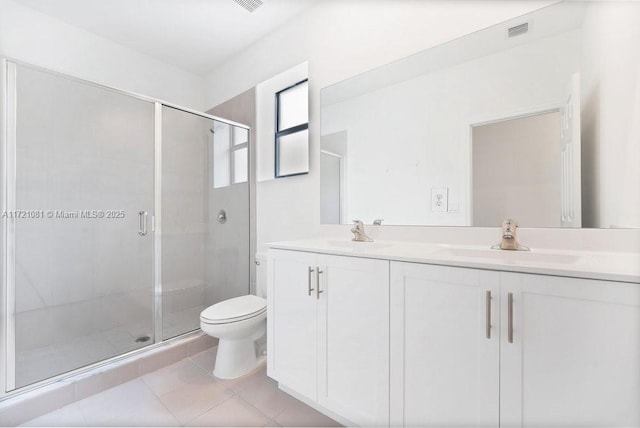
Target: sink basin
x,y
358,245
513,256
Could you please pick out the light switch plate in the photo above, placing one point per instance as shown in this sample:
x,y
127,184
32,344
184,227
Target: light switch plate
x,y
439,199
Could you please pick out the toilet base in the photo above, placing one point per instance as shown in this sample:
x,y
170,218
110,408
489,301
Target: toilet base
x,y
236,358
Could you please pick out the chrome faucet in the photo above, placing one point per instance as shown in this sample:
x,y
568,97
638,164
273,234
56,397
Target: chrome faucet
x,y
509,241
378,222
358,232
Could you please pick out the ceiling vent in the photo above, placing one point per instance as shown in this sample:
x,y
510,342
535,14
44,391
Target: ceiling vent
x,y
518,29
250,5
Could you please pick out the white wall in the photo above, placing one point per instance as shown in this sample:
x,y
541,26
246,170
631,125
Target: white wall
x,y
421,137
611,115
340,39
38,39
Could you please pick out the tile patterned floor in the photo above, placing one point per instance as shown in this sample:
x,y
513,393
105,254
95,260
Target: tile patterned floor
x,y
186,394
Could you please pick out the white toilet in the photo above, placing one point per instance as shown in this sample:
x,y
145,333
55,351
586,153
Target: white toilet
x,y
238,323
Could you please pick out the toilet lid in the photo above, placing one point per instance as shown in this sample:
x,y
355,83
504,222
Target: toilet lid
x,y
234,309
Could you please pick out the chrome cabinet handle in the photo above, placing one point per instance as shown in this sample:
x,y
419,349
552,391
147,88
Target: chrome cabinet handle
x,y
318,291
309,289
510,317
488,314
142,223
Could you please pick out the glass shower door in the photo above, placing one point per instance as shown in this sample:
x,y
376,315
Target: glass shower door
x,y
205,216
183,220
81,198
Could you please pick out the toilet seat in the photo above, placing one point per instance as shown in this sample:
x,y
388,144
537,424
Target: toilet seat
x,y
234,310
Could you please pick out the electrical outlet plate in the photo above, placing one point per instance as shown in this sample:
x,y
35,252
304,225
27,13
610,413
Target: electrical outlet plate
x,y
439,199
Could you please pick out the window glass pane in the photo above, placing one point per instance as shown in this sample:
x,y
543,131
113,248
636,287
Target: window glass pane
x,y
221,154
240,165
293,153
293,106
240,136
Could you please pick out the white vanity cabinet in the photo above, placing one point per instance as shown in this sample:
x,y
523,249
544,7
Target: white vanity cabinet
x,y
575,355
485,348
328,326
292,325
444,363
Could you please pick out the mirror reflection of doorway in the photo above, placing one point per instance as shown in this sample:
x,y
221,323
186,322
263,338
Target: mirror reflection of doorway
x,y
517,171
331,187
333,180
529,167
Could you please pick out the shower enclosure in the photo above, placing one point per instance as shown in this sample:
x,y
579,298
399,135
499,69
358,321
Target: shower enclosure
x,y
112,234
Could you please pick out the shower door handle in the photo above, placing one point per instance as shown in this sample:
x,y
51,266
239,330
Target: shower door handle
x,y
142,223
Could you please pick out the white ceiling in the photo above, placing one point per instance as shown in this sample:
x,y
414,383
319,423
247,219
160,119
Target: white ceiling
x,y
195,35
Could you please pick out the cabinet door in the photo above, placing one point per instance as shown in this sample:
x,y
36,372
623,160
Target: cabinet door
x,y
354,339
444,360
575,355
291,321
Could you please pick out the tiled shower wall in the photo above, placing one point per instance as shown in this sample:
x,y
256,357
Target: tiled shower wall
x,y
230,247
227,245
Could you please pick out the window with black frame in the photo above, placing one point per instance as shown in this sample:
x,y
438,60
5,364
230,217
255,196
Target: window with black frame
x,y
292,130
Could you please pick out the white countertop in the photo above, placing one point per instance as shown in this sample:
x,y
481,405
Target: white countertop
x,y
608,266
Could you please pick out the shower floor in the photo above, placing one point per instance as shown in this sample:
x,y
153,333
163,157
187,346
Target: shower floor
x,y
41,363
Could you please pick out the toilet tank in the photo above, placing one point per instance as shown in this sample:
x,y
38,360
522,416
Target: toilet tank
x,y
261,275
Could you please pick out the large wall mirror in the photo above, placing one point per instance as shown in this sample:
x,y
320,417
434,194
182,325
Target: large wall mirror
x,y
537,119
